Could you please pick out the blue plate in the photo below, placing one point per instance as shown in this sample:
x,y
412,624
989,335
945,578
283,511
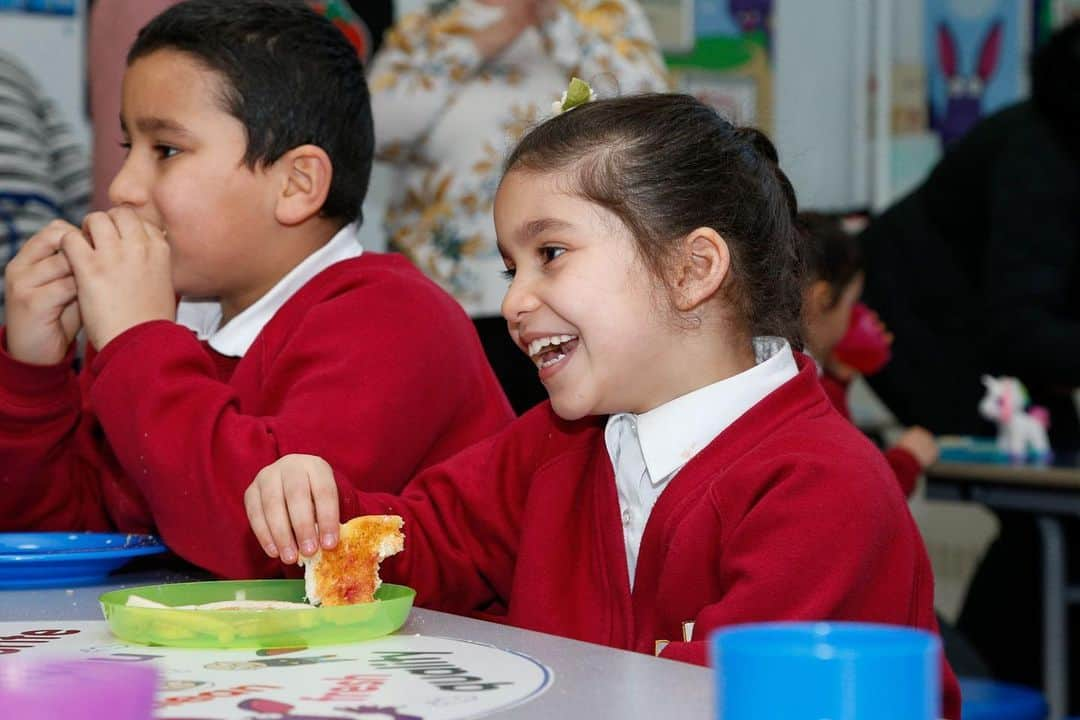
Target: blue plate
x,y
61,559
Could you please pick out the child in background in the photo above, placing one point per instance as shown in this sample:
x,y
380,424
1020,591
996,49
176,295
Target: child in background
x,y
835,280
688,467
240,193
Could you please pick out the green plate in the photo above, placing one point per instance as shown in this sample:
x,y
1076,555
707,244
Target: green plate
x,y
250,629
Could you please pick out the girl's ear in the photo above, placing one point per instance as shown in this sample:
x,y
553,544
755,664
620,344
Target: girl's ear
x,y
704,264
306,172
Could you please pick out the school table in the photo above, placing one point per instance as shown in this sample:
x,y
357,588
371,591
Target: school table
x,y
579,680
1048,491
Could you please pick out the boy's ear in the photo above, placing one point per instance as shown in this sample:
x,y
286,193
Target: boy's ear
x,y
704,265
817,299
306,172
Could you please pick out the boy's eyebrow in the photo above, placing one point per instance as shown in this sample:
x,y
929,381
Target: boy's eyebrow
x,y
153,124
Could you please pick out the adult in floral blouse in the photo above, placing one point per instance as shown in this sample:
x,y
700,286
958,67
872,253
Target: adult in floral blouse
x,y
453,87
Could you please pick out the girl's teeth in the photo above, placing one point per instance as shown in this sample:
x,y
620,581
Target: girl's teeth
x,y
540,343
546,363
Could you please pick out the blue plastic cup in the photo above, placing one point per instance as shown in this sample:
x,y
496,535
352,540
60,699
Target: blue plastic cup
x,y
826,671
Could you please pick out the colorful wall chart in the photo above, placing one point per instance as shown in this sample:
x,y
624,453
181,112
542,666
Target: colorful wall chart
x,y
729,65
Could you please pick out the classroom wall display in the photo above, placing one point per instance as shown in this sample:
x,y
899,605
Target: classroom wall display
x,y
729,65
44,7
975,59
399,677
672,22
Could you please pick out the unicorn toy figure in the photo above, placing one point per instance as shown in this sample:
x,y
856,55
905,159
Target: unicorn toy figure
x,y
1021,429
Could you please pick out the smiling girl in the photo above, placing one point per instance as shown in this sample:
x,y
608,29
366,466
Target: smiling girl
x,y
688,467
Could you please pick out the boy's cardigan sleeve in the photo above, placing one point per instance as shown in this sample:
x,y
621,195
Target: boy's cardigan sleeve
x,y
44,483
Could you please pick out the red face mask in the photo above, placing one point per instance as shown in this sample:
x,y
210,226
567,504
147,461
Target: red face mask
x,y
865,346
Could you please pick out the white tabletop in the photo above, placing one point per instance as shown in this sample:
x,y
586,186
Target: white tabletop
x,y
590,681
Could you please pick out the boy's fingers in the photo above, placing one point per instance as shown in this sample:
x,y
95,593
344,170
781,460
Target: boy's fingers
x,y
61,292
302,513
326,511
253,506
43,244
101,231
277,518
76,249
51,268
128,224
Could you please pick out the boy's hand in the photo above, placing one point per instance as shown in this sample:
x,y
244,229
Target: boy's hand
x,y
42,304
121,265
289,501
920,443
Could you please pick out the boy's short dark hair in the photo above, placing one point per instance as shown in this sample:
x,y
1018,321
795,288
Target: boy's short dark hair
x,y
291,78
832,253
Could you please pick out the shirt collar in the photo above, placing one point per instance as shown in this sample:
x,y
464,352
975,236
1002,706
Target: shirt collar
x,y
234,339
673,433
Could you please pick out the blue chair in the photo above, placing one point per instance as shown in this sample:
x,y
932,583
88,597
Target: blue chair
x,y
985,699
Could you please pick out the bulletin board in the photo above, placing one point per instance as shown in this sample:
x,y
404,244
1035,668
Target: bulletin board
x,y
721,52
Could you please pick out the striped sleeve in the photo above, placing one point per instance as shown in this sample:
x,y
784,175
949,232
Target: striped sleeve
x,y
44,170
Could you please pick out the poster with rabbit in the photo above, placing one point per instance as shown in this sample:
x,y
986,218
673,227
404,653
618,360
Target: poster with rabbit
x,y
975,52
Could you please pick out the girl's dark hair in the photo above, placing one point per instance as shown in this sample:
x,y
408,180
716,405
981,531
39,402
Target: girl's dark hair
x,y
289,76
666,164
832,254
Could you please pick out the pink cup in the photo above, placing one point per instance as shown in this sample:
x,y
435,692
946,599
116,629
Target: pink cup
x,y
76,690
865,346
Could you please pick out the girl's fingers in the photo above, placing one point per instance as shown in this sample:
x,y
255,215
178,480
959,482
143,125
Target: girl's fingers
x,y
253,506
302,513
277,518
326,511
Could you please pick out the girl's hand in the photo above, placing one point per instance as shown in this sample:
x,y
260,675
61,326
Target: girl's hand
x,y
920,443
42,299
122,267
290,502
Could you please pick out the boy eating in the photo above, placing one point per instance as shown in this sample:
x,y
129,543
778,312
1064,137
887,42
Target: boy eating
x,y
249,139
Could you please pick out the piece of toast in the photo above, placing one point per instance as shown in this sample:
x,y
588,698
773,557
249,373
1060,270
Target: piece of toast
x,y
349,573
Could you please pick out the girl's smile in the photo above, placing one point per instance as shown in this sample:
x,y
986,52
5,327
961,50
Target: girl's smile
x,y
550,353
584,308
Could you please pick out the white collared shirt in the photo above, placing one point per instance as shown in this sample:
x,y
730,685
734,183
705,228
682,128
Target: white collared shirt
x,y
234,339
647,450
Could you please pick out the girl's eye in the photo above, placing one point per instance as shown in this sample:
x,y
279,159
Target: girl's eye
x,y
126,144
550,253
166,151
507,274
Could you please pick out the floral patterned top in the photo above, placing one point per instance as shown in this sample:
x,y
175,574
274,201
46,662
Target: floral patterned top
x,y
445,118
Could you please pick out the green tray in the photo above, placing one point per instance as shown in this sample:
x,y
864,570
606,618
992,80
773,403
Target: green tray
x,y
250,629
